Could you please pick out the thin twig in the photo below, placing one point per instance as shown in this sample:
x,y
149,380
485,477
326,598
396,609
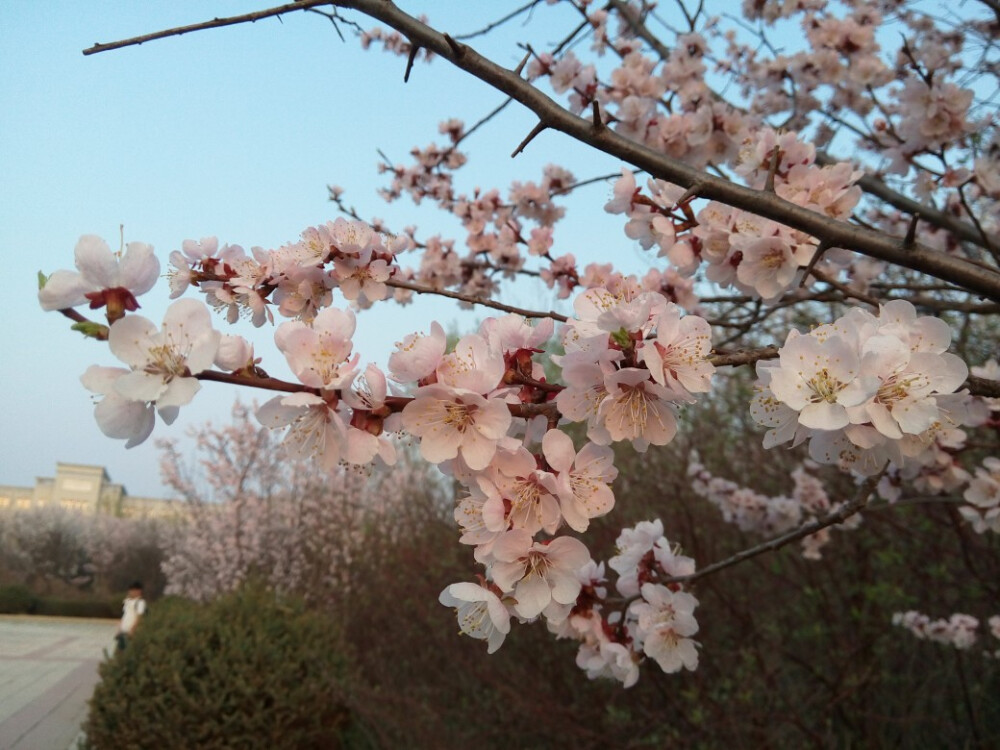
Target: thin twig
x,y
811,266
420,289
772,170
911,231
524,61
844,289
848,509
392,403
215,23
691,192
528,138
598,122
735,359
499,22
414,49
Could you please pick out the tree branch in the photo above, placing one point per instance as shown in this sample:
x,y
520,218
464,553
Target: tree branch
x,y
848,509
984,281
832,231
420,289
215,23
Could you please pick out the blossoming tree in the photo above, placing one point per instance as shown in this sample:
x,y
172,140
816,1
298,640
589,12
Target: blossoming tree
x,y
838,195
254,513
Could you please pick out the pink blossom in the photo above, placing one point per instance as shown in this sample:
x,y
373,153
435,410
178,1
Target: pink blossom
x,y
636,409
583,478
665,620
449,422
102,277
481,614
164,362
119,417
320,354
538,573
418,355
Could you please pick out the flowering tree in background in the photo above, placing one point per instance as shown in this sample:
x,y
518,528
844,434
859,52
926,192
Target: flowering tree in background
x,y
837,196
255,514
99,553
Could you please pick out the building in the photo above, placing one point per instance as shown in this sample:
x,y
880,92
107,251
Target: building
x,y
86,489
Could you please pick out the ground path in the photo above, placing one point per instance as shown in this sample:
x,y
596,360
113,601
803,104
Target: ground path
x,y
48,669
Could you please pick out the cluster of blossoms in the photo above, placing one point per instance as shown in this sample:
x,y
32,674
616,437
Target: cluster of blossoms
x,y
983,497
958,630
935,471
864,390
297,279
661,97
652,618
757,256
761,514
630,358
483,412
699,129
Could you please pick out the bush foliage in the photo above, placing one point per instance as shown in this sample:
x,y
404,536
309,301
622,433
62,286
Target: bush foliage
x,y
17,600
249,670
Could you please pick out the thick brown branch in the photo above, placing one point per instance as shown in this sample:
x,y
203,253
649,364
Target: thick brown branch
x,y
834,232
837,233
983,387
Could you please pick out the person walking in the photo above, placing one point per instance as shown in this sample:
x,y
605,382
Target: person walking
x,y
133,608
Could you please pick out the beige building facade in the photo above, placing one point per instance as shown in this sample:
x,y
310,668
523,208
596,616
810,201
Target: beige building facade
x,y
85,489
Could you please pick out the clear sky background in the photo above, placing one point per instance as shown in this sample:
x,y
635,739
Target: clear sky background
x,y
232,132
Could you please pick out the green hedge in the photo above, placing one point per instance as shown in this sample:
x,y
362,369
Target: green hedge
x,y
106,608
249,670
17,600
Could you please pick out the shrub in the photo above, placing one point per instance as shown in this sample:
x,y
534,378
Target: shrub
x,y
103,608
249,670
16,600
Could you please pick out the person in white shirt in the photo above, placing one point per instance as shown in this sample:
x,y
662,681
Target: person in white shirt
x,y
133,608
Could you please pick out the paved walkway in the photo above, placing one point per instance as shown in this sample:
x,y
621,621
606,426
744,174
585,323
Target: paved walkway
x,y
48,669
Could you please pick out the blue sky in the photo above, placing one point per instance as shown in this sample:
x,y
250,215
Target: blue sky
x,y
232,132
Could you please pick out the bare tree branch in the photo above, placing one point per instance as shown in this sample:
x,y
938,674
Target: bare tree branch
x,y
845,511
420,289
215,23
